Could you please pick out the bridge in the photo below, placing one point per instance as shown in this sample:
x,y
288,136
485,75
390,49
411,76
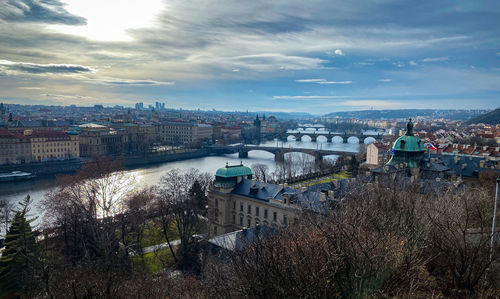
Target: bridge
x,y
330,136
278,152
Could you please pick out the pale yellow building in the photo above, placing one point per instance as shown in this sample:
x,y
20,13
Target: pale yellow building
x,y
53,145
377,154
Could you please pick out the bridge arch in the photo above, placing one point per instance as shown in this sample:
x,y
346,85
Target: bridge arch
x,y
369,140
306,138
353,139
321,138
337,139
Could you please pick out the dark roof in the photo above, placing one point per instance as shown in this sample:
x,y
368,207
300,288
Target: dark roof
x,y
240,238
262,191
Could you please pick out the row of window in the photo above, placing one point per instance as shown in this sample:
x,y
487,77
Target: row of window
x,y
257,221
257,212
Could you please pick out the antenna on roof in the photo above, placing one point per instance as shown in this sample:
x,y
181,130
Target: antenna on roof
x,y
241,162
227,164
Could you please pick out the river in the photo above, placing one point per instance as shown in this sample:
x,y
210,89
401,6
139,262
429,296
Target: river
x,y
150,175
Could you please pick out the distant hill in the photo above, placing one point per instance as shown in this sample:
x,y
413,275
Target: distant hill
x,y
491,118
406,113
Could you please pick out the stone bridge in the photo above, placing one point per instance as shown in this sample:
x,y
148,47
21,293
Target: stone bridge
x,y
278,152
315,134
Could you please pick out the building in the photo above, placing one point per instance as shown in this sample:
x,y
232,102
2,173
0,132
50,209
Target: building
x,y
408,149
184,133
14,148
377,154
236,201
99,140
53,145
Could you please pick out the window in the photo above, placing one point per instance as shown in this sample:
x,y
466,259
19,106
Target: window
x,y
241,207
275,216
241,220
234,205
234,219
216,203
215,230
285,219
256,211
249,209
249,222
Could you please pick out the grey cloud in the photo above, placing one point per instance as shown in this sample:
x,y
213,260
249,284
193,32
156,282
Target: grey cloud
x,y
123,82
35,68
43,11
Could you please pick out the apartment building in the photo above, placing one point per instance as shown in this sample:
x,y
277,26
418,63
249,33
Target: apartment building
x,y
184,133
53,145
14,148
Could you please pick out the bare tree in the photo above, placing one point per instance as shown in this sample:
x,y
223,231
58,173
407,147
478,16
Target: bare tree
x,y
260,171
6,209
178,205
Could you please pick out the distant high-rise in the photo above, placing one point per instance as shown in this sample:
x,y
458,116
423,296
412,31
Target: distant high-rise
x,y
139,106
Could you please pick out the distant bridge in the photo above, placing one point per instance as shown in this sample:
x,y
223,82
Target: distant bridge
x,y
278,152
315,134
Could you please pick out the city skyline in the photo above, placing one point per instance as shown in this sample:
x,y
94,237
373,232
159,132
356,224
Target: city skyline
x,y
316,58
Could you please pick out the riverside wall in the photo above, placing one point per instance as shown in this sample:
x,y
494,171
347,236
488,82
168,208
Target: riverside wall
x,y
69,166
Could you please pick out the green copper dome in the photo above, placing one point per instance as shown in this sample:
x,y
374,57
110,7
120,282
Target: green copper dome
x,y
407,149
233,171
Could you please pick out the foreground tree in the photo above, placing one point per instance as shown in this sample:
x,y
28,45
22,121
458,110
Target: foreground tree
x,y
18,260
181,200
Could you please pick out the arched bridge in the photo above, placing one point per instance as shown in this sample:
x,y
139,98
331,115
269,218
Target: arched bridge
x,y
315,134
278,152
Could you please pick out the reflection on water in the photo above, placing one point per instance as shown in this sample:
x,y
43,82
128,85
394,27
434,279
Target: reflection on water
x,y
150,175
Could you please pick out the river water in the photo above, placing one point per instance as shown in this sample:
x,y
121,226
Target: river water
x,y
150,175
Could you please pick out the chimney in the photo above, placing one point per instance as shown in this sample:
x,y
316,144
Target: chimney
x,y
303,189
481,163
285,185
485,148
322,196
280,187
253,182
464,165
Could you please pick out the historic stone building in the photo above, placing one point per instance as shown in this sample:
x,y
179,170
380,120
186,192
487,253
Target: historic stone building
x,y
184,133
14,148
237,200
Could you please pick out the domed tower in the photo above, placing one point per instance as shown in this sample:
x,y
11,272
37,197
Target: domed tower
x,y
407,149
228,177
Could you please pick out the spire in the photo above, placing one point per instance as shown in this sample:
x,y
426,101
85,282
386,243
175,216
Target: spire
x,y
409,128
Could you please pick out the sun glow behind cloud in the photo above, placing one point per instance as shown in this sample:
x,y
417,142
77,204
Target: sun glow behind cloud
x,y
109,20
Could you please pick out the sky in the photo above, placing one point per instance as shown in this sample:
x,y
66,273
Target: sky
x,y
290,56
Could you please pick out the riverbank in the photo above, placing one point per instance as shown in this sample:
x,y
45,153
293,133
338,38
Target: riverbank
x,y
130,162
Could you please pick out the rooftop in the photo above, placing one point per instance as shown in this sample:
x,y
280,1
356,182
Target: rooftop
x,y
233,171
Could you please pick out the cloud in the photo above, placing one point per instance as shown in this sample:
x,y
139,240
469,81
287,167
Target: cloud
x,y
322,81
337,52
42,11
398,64
35,68
435,59
385,80
412,63
122,82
